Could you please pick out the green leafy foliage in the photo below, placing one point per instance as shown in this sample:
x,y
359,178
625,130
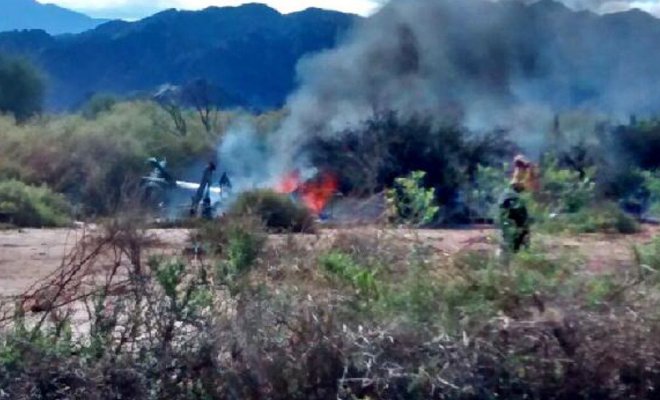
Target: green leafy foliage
x,y
482,195
565,190
372,156
410,202
651,190
242,250
97,104
345,268
237,242
599,290
169,276
21,88
97,161
32,206
604,217
471,325
417,298
277,211
648,260
485,287
568,202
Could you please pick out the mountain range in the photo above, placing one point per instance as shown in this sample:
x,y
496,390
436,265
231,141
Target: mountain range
x,y
250,51
30,14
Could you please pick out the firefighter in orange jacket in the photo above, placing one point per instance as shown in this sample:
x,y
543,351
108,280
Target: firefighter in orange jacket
x,y
514,217
525,174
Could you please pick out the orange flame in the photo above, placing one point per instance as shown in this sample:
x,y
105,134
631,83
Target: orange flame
x,y
289,184
314,194
317,194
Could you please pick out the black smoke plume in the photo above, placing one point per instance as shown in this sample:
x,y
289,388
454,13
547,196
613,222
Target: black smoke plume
x,y
482,64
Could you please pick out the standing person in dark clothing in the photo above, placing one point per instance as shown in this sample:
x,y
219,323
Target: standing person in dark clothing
x,y
203,192
514,217
514,220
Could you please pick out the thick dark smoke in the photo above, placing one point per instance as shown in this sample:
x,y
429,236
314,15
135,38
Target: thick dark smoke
x,y
479,63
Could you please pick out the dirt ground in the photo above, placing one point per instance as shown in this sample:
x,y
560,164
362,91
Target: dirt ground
x,y
29,255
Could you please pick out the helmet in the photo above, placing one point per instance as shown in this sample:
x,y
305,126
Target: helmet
x,y
521,161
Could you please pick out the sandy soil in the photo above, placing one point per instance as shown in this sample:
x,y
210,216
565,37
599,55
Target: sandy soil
x,y
31,254
28,255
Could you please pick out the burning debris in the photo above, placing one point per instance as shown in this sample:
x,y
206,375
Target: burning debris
x,y
159,185
479,64
478,67
314,193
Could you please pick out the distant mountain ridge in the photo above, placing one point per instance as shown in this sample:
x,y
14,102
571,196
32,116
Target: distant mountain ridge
x,y
250,51
30,14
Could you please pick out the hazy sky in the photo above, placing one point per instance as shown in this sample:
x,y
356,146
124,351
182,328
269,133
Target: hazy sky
x,y
132,9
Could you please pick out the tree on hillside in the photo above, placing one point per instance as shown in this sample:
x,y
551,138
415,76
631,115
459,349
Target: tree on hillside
x,y
207,98
168,98
203,97
199,95
21,88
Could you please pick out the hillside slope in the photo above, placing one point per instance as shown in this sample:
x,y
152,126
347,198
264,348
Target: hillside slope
x,y
249,51
30,14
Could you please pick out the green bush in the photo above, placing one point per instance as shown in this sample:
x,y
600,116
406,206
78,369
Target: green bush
x,y
568,203
410,202
32,206
235,243
535,328
97,161
21,88
651,187
369,157
417,298
482,195
565,190
97,104
606,217
344,267
278,212
599,290
242,248
648,260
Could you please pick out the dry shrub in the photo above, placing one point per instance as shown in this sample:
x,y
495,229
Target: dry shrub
x,y
519,331
89,160
278,212
32,206
239,240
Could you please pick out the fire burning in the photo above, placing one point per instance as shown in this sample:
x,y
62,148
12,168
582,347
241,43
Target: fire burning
x,y
289,184
315,193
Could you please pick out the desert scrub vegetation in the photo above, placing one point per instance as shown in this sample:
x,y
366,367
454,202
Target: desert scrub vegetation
x,y
371,156
95,155
368,316
568,200
32,206
23,87
95,158
410,203
278,212
606,217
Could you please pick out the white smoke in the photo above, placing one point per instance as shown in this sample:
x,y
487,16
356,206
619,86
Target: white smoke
x,y
480,63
